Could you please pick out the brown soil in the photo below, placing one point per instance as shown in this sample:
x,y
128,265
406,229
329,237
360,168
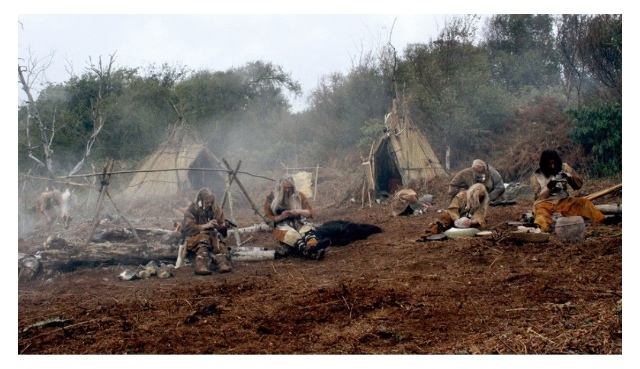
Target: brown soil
x,y
387,294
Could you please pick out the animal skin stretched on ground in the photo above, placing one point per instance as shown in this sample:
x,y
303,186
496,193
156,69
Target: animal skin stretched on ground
x,y
342,232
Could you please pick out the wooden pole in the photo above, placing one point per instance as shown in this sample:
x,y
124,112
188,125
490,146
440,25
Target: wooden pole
x,y
230,178
595,195
227,194
133,229
103,189
253,206
315,185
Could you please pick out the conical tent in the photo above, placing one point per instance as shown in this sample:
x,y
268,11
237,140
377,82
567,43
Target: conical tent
x,y
402,154
173,168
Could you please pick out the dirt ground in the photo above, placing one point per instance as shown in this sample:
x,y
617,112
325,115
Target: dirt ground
x,y
387,294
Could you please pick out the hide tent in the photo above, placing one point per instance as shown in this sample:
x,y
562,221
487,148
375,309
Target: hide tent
x,y
176,166
401,155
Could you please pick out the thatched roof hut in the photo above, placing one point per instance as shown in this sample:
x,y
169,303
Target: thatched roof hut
x,y
175,167
401,155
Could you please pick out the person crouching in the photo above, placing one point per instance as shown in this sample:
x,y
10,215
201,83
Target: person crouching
x,y
468,209
203,227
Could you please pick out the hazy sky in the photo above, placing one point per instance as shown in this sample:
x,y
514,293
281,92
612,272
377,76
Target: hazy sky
x,y
306,41
307,46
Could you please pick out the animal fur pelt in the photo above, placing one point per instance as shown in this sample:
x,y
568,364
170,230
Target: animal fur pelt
x,y
342,232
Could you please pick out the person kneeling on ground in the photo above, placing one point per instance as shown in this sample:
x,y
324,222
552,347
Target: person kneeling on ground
x,y
550,183
289,210
203,227
406,202
468,209
479,172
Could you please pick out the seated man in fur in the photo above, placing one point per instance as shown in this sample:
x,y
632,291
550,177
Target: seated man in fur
x,y
289,210
203,227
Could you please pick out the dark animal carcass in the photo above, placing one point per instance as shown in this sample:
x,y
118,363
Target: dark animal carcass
x,y
342,232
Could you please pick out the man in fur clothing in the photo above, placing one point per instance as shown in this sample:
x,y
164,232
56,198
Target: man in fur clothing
x,y
203,227
479,172
289,210
550,183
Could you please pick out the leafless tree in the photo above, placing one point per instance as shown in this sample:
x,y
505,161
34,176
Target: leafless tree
x,y
29,74
103,73
32,72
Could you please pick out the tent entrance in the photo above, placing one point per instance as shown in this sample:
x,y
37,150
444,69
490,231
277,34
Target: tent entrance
x,y
200,178
387,176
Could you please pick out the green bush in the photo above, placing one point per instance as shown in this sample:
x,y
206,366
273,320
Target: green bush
x,y
598,129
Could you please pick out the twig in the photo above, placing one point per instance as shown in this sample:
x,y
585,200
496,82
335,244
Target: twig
x,y
245,241
25,348
492,332
521,309
348,307
496,259
539,335
72,325
274,269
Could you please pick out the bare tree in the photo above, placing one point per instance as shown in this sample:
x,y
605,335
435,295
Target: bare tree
x,y
104,78
34,72
29,74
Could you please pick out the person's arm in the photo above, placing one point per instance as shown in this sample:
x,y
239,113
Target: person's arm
x,y
189,223
221,223
457,183
539,192
454,208
268,213
306,211
479,219
573,178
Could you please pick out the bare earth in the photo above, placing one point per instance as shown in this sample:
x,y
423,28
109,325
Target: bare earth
x,y
387,294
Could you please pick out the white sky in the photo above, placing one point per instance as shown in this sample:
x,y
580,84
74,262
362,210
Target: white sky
x,y
307,41
308,46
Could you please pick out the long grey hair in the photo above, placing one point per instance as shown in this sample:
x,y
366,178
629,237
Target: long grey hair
x,y
478,198
281,202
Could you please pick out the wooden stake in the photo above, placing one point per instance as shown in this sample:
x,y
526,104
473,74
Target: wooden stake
x,y
103,189
315,185
232,176
253,206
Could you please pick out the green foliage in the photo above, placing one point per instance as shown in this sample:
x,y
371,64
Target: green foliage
x,y
460,91
520,48
451,92
342,104
598,129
